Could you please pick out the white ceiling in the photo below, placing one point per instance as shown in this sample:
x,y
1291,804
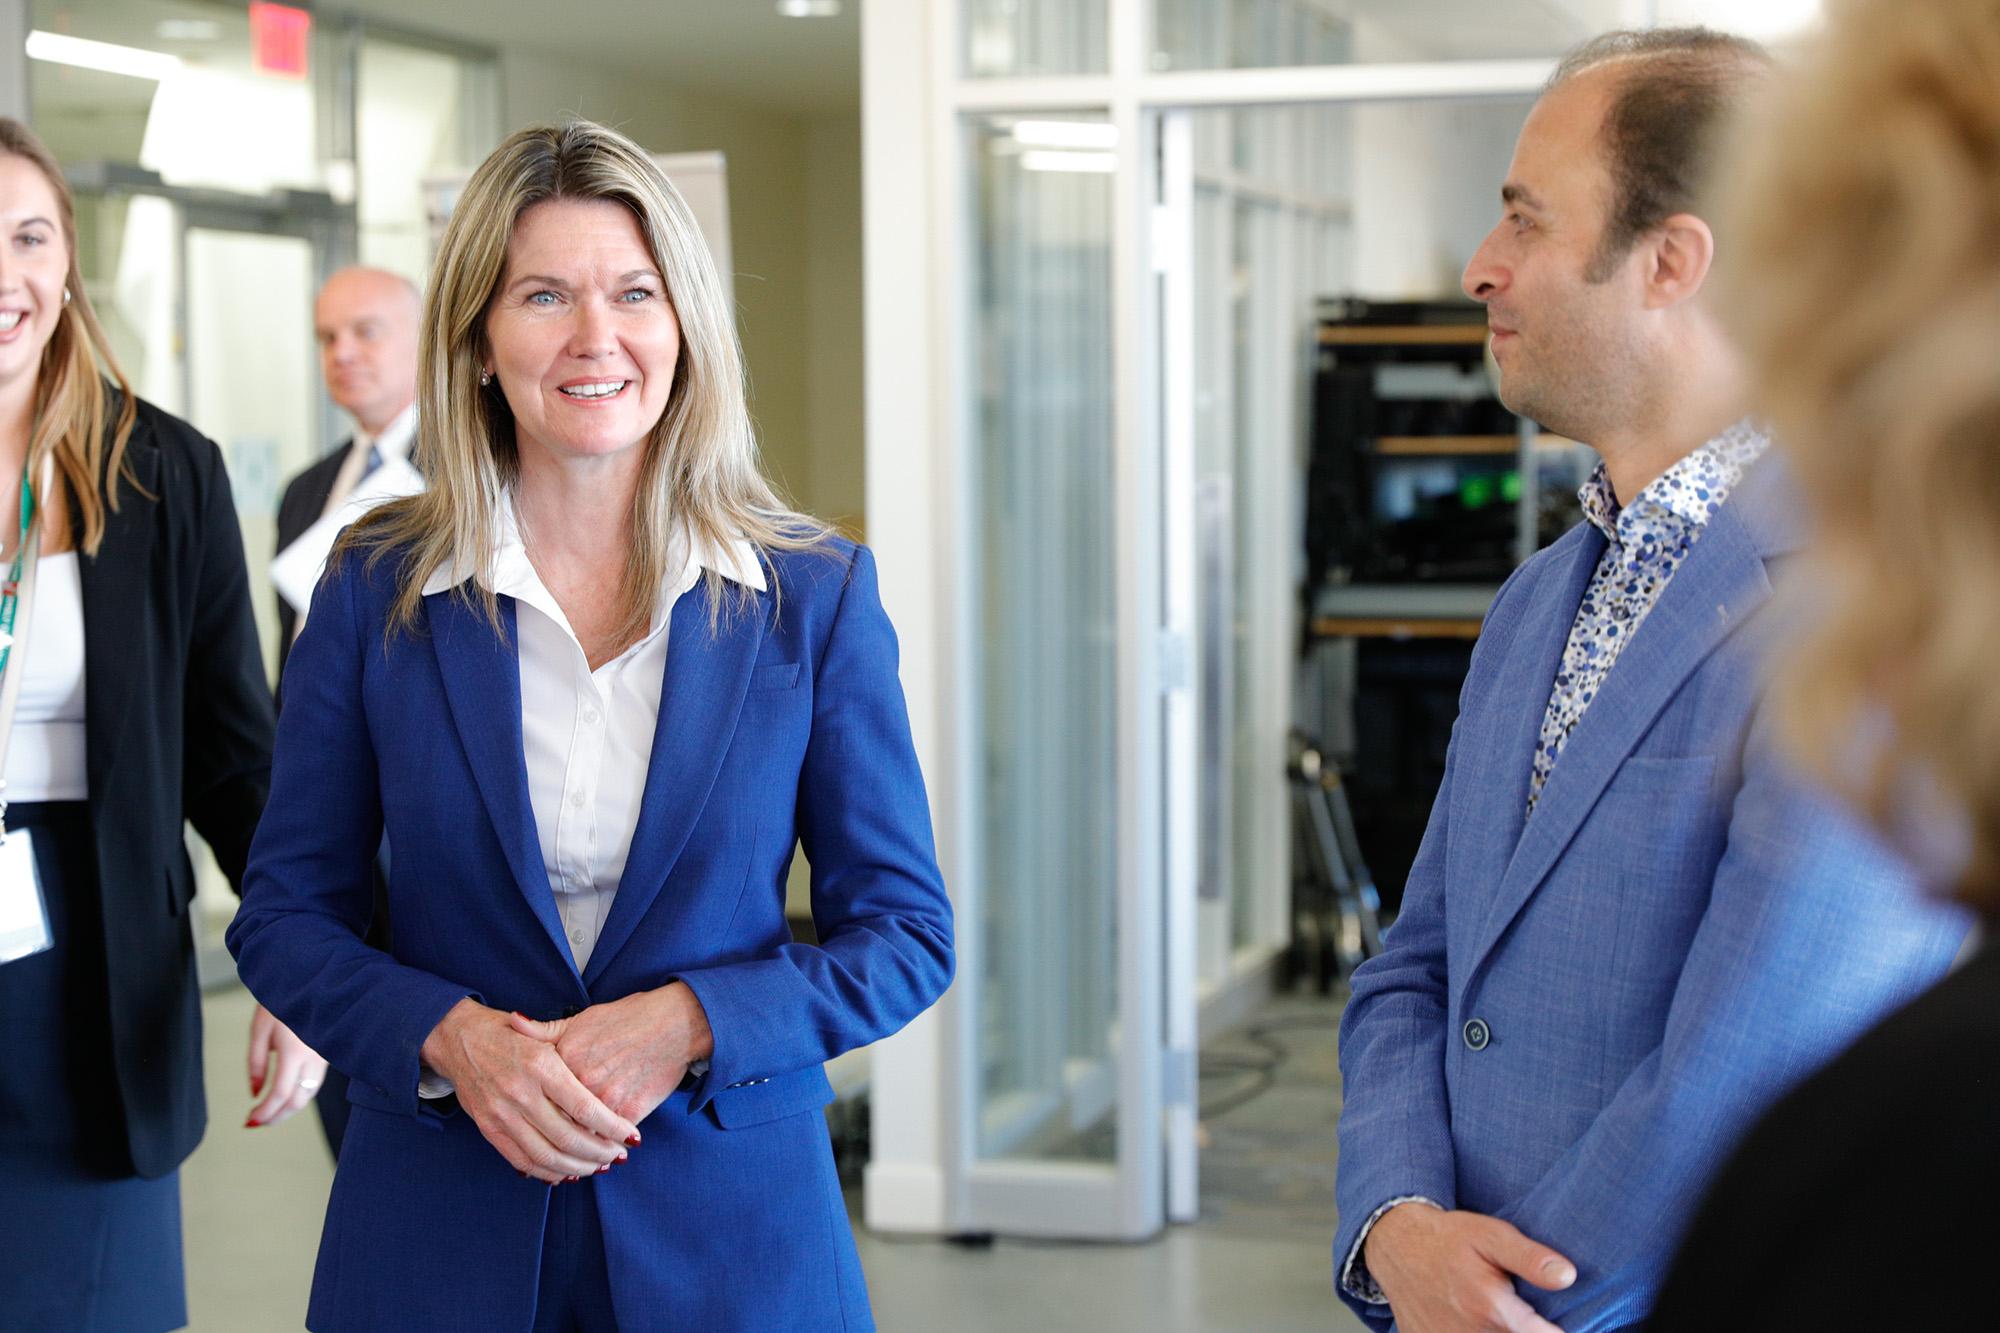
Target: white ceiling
x,y
740,48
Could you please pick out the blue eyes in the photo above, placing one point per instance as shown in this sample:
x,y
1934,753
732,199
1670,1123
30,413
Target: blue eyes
x,y
630,296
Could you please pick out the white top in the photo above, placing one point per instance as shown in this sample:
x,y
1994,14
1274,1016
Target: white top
x,y
394,442
45,758
587,736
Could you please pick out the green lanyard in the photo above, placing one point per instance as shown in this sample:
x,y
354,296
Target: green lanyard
x,y
10,591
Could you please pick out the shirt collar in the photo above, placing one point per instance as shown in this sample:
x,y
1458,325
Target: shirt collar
x,y
1690,491
396,437
514,575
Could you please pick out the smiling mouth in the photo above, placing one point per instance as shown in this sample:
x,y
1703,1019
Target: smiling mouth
x,y
10,319
595,391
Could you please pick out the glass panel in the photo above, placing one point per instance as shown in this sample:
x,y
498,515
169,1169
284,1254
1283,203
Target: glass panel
x,y
1293,207
423,115
1020,38
1253,34
1044,646
192,107
249,303
129,248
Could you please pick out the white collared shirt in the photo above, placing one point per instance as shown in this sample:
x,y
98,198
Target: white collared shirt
x,y
394,442
587,736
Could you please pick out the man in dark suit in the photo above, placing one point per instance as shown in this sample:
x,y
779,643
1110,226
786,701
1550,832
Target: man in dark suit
x,y
366,324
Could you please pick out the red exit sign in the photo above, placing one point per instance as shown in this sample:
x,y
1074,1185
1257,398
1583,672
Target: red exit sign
x,y
280,36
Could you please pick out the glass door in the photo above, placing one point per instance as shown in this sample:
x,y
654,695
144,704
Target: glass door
x,y
1060,964
208,303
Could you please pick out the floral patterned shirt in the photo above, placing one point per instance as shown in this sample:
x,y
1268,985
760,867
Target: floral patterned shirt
x,y
1646,542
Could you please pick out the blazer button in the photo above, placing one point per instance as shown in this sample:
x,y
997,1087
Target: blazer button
x,y
1477,1035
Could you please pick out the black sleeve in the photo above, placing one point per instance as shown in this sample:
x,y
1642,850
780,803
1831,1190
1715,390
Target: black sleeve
x,y
227,708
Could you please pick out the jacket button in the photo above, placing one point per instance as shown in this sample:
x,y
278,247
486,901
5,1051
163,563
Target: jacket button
x,y
1477,1035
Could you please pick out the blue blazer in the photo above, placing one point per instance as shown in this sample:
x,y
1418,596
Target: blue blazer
x,y
1574,1016
785,724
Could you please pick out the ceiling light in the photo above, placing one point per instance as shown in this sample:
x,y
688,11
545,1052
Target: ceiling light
x,y
809,9
1100,134
58,49
1044,159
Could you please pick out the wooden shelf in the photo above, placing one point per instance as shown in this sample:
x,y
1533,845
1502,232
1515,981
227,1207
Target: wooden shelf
x,y
1447,446
1360,627
1382,335
1427,446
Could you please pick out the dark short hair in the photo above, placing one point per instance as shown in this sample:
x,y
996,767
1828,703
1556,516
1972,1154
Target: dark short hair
x,y
1674,93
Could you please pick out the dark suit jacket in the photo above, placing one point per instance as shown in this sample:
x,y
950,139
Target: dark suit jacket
x,y
303,503
179,727
1863,1200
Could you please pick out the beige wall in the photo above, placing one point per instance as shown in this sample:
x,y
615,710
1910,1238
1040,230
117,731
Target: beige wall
x,y
833,319
795,227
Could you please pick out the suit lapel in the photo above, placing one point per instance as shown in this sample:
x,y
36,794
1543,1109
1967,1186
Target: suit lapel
x,y
707,677
115,585
1496,804
1720,585
482,682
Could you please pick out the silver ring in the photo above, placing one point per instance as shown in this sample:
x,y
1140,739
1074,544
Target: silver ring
x,y
308,1086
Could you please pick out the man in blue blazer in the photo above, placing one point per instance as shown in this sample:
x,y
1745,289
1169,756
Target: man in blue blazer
x,y
1629,926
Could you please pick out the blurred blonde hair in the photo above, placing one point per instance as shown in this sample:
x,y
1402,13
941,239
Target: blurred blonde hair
x,y
1865,290
78,421
700,473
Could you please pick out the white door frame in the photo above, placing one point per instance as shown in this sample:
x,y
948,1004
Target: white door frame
x,y
923,1176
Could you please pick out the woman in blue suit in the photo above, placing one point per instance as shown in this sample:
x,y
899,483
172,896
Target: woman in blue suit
x,y
594,684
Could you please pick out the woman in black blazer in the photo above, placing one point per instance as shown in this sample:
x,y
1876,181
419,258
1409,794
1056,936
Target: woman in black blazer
x,y
1870,308
143,704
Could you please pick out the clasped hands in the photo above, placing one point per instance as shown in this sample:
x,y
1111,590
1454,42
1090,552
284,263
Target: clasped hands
x,y
562,1100
1447,1272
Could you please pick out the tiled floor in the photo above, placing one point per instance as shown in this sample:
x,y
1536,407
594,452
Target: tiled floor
x,y
1257,1261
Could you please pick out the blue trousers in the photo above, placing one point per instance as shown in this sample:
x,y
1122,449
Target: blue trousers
x,y
575,1291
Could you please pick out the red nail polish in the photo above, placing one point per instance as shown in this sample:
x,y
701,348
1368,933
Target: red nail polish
x,y
621,1157
602,1169
252,1123
633,1142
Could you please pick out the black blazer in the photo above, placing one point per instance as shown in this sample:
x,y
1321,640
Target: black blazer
x,y
303,503
1864,1199
178,727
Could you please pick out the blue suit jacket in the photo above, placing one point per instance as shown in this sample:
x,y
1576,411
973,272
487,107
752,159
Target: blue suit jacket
x,y
785,724
1680,931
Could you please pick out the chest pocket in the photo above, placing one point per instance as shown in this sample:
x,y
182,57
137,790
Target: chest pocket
x,y
774,676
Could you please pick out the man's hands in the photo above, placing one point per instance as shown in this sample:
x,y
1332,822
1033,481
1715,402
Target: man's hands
x,y
562,1100
632,1053
524,1099
1445,1272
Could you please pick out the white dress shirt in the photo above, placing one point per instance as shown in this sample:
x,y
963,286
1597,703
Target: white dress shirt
x,y
587,736
45,758
394,442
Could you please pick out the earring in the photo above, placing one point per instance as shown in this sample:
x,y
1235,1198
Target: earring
x,y
485,378
65,296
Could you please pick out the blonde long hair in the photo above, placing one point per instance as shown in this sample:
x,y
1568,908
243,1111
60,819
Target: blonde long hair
x,y
699,476
1866,292
75,422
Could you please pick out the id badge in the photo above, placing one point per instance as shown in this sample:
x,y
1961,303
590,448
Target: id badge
x,y
24,916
